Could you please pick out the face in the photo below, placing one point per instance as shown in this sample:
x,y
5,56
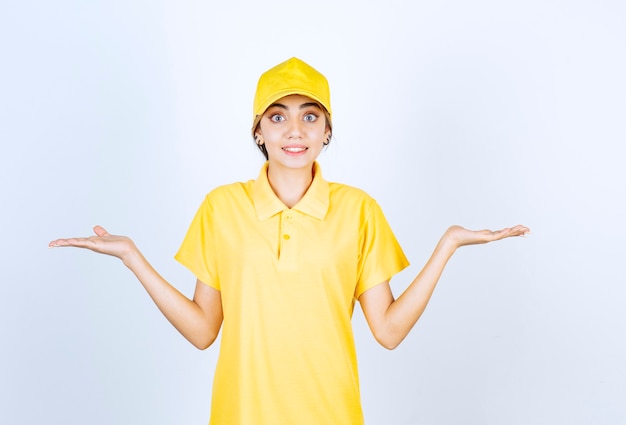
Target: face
x,y
293,130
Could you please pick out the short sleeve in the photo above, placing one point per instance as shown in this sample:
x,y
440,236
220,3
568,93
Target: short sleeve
x,y
197,251
381,256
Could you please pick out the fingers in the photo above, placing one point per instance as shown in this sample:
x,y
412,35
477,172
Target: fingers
x,y
100,231
61,242
485,236
76,242
518,230
55,243
80,242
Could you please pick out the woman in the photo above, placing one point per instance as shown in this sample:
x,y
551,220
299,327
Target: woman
x,y
280,262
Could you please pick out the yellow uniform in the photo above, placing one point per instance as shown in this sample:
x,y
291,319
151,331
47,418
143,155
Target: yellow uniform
x,y
289,278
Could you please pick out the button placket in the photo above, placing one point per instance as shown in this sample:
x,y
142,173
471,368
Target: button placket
x,y
288,250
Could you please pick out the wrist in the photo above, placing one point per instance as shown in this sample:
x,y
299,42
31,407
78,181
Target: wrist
x,y
448,242
132,257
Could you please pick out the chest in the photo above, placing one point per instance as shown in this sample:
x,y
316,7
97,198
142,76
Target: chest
x,y
291,240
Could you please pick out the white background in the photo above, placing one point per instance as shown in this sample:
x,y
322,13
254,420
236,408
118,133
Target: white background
x,y
484,114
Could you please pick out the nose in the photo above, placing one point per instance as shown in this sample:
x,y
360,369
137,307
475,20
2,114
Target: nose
x,y
295,129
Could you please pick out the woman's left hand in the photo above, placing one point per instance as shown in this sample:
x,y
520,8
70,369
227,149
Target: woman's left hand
x,y
460,236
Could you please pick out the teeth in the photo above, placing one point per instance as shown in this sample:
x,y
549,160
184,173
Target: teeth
x,y
294,149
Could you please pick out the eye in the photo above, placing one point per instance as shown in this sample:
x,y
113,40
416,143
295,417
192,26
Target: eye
x,y
310,117
277,118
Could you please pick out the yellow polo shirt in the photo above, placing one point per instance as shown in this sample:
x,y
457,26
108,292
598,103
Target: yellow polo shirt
x,y
289,278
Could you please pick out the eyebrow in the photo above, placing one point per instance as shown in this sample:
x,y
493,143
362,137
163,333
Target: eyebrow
x,y
303,106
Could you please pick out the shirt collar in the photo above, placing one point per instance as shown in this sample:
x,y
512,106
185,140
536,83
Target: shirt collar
x,y
314,202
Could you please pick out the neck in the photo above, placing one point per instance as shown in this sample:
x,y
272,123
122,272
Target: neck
x,y
290,185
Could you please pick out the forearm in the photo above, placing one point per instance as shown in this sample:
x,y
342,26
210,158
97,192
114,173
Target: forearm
x,y
182,312
404,312
391,320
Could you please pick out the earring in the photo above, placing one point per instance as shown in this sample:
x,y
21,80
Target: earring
x,y
326,142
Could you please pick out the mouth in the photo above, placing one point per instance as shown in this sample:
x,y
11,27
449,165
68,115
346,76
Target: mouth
x,y
294,149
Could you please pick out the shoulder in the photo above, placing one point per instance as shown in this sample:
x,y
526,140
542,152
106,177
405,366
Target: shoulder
x,y
344,191
351,198
237,189
228,194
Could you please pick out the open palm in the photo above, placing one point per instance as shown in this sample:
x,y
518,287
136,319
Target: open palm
x,y
102,242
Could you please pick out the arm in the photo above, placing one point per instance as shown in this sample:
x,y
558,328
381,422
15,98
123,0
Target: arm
x,y
199,320
391,320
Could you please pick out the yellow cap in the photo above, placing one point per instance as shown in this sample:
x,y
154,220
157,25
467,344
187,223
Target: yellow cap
x,y
290,77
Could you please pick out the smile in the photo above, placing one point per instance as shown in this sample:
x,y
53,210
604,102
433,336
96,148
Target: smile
x,y
294,149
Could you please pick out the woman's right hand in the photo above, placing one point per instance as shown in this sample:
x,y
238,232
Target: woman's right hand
x,y
199,320
104,243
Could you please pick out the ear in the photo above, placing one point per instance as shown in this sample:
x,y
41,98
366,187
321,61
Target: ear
x,y
258,138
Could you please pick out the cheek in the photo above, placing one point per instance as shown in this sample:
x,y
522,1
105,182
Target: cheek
x,y
268,133
319,132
